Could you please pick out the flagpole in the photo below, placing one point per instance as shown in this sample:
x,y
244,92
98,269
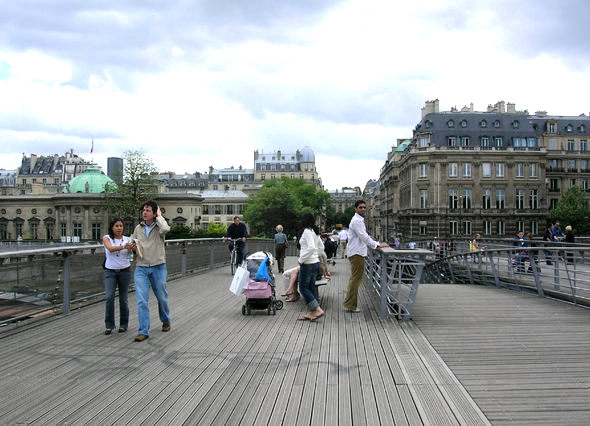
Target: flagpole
x,y
92,152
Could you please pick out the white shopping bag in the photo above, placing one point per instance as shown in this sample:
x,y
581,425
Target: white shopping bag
x,y
240,281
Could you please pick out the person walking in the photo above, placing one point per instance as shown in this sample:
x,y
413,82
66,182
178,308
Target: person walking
x,y
570,239
343,237
151,268
547,242
280,248
117,274
358,241
309,263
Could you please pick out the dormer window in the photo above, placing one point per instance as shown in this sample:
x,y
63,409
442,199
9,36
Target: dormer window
x,y
582,128
450,124
515,124
497,123
428,124
569,128
483,124
463,123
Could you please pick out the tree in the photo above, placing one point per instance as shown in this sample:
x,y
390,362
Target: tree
x,y
216,230
573,210
137,186
179,232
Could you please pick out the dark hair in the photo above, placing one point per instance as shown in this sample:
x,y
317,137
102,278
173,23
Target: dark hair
x,y
308,221
236,217
358,203
150,203
115,220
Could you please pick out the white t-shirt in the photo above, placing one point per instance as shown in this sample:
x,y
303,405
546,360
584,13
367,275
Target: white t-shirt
x,y
117,259
343,235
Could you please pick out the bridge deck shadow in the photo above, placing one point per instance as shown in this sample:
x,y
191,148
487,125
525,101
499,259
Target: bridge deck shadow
x,y
471,355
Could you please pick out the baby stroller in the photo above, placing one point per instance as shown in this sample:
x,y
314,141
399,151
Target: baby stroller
x,y
260,294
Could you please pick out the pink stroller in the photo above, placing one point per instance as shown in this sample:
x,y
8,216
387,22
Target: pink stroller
x,y
260,295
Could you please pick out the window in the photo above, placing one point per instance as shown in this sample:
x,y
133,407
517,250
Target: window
x,y
569,128
571,165
19,229
62,229
519,169
217,209
423,198
262,177
501,227
535,227
499,142
423,141
96,234
3,231
292,176
533,199
453,227
463,123
301,176
553,203
451,141
423,229
554,185
551,127
465,141
466,169
485,141
487,227
515,124
486,169
553,164
520,226
483,123
583,145
500,199
499,169
467,227
572,182
532,142
520,199
467,198
49,230
533,170
77,229
453,198
486,202
497,123
450,124
571,145
273,176
34,231
422,167
205,209
453,169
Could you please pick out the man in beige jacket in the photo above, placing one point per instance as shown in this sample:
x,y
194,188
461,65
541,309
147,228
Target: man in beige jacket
x,y
151,268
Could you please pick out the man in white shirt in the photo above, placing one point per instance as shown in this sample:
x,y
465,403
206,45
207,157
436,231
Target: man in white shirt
x,y
343,236
358,241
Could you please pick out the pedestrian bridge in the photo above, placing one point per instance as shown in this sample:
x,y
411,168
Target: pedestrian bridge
x,y
470,355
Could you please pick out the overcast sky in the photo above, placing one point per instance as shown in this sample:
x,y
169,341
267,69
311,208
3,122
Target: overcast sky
x,y
205,83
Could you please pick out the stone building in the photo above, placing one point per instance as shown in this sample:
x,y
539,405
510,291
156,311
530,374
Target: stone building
x,y
494,173
278,164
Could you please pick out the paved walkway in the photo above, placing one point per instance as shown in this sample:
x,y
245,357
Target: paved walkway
x,y
472,355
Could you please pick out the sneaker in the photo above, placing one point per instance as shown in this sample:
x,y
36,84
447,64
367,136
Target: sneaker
x,y
166,326
355,310
141,337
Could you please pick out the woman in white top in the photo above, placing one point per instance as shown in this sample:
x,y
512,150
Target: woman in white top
x,y
310,264
117,274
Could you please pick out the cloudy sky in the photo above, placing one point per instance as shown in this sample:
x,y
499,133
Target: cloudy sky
x,y
196,83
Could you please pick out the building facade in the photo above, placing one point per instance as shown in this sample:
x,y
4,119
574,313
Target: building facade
x,y
278,164
494,173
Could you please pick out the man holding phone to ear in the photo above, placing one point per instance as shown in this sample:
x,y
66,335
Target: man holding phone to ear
x,y
151,268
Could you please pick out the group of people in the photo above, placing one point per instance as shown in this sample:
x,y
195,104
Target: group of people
x,y
147,243
312,259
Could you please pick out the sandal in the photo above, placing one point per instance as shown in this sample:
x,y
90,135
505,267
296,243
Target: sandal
x,y
287,293
122,329
315,317
293,298
108,331
304,318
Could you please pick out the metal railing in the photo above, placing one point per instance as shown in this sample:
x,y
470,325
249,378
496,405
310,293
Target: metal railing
x,y
559,272
395,276
56,280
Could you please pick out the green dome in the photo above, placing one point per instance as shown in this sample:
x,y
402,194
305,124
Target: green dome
x,y
92,181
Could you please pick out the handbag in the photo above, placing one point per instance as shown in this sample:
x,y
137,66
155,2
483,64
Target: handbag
x,y
240,281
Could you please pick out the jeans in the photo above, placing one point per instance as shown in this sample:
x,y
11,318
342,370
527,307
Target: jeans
x,y
112,281
156,277
307,275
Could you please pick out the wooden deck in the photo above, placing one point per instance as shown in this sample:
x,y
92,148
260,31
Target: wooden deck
x,y
472,355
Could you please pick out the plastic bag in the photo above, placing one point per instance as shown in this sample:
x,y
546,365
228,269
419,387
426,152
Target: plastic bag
x,y
240,281
262,272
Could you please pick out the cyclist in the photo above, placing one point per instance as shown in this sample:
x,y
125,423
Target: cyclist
x,y
237,230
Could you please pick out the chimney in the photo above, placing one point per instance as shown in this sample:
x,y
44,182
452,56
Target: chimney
x,y
255,155
501,105
33,162
511,108
430,107
279,154
210,170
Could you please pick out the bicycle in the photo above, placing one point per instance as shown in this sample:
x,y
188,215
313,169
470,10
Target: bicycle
x,y
233,255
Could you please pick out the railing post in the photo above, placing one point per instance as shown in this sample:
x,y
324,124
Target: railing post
x,y
183,260
211,255
493,268
384,283
67,275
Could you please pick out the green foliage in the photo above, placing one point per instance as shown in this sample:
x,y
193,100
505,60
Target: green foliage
x,y
283,202
137,186
180,232
573,210
342,218
216,230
